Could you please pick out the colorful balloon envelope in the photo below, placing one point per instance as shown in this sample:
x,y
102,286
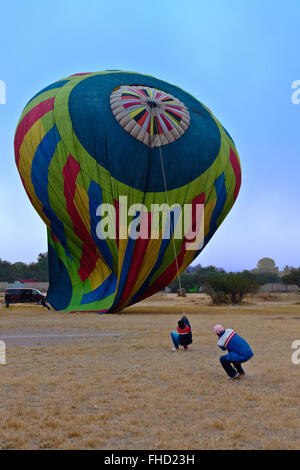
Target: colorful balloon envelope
x,y
99,154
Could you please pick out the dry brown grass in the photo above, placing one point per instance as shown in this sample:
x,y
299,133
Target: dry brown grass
x,y
133,392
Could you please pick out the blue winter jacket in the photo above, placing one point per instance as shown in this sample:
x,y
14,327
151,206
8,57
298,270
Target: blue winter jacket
x,y
238,349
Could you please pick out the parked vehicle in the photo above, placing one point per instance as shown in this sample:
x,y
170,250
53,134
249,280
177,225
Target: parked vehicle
x,y
23,295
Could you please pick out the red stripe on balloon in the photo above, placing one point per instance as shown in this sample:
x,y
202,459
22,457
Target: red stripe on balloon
x,y
237,171
54,238
132,103
169,273
131,97
160,131
140,92
89,256
174,110
143,119
167,123
138,256
28,121
78,74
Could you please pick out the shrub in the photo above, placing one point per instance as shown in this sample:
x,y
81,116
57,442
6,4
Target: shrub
x,y
293,277
228,288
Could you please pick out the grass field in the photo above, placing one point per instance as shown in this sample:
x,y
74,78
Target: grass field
x,y
92,381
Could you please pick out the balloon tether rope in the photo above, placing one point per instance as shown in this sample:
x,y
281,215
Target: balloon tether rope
x,y
167,199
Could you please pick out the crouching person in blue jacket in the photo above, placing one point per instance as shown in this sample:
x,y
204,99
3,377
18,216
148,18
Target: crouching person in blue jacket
x,y
238,351
183,335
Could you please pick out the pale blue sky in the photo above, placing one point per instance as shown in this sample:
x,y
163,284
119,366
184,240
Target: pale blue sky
x,y
239,58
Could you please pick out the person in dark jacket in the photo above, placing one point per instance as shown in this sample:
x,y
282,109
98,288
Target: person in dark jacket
x,y
183,335
7,300
43,302
238,349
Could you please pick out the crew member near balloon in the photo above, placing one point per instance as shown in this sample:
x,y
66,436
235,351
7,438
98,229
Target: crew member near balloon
x,y
43,302
7,300
238,349
183,335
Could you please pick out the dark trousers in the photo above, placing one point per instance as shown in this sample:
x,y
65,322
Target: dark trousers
x,y
227,365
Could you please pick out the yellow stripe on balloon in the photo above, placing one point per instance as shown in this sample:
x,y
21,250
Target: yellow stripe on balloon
x,y
81,202
27,151
189,255
100,273
122,250
136,111
171,118
150,258
151,125
208,210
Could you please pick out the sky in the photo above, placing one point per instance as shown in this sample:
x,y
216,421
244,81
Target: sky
x,y
239,58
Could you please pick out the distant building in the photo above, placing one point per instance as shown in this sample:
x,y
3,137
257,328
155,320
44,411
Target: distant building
x,y
41,286
266,265
278,287
15,284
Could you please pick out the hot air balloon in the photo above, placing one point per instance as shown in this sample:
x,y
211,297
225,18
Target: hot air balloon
x,y
91,140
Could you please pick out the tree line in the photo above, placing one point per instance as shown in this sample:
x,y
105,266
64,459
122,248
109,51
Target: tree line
x,y
230,288
10,272
222,286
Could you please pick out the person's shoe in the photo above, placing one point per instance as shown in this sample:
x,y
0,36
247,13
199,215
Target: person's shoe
x,y
236,376
185,348
175,349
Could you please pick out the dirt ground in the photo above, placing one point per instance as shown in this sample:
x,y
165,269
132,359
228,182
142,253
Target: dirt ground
x,y
88,381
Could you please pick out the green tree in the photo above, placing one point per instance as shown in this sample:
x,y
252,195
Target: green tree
x,y
188,282
229,287
17,271
262,277
293,277
191,282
